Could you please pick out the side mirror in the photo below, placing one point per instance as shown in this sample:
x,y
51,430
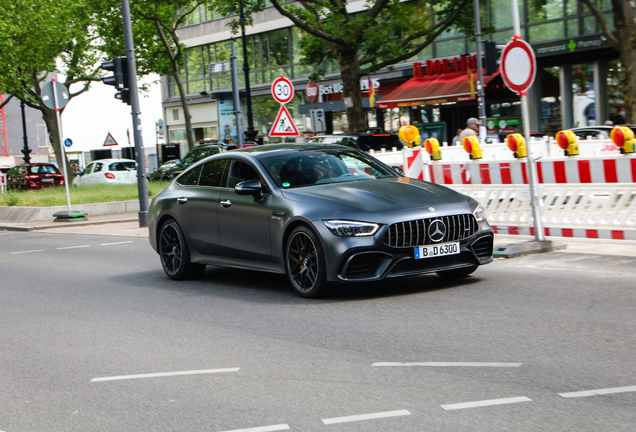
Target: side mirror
x,y
249,187
398,169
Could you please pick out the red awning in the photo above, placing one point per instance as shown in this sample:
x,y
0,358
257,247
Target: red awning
x,y
431,90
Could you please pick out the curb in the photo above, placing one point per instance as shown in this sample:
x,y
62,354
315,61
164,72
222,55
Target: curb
x,y
64,224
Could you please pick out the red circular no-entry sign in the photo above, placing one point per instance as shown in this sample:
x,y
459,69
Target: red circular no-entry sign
x,y
518,65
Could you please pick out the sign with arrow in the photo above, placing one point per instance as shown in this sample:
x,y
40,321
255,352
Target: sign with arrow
x,y
283,125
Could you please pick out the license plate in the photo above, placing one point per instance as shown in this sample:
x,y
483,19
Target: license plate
x,y
441,249
46,180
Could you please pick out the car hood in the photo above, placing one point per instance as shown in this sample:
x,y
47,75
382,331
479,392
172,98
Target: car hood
x,y
378,196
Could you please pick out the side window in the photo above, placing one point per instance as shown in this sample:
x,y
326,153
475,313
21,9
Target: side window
x,y
190,178
212,173
98,167
89,168
240,172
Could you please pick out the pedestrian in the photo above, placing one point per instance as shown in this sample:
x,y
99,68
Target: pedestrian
x,y
456,139
472,129
619,118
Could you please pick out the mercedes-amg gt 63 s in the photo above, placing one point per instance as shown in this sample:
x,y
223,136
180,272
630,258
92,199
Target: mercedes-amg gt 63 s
x,y
322,214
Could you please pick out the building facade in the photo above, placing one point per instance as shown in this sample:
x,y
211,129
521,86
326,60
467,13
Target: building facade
x,y
577,81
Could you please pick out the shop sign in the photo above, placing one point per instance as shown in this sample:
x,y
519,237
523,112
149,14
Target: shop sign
x,y
338,87
312,91
444,66
499,124
573,45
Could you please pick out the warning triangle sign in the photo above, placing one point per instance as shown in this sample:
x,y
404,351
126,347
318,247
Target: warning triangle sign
x,y
110,141
283,125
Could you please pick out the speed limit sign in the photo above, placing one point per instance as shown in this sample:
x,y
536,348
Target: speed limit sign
x,y
282,90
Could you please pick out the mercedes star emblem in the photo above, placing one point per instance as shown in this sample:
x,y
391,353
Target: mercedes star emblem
x,y
436,231
431,209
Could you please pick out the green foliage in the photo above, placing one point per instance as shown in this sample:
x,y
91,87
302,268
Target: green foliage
x,y
11,197
55,196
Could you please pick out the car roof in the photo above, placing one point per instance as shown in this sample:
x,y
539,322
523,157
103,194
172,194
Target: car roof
x,y
293,147
112,160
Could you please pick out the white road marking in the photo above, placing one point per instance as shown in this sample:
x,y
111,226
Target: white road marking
x,y
5,233
599,392
485,403
116,243
165,374
370,416
31,251
73,247
447,364
272,428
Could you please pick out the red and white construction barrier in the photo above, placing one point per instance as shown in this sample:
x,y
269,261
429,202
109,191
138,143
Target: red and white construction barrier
x,y
413,163
3,183
616,169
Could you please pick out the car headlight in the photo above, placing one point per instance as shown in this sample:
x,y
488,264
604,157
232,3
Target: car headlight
x,y
479,213
351,229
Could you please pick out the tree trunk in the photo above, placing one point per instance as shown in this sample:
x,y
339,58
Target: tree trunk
x,y
625,23
351,73
184,104
50,118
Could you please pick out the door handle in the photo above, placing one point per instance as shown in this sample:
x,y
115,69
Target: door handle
x,y
226,203
182,200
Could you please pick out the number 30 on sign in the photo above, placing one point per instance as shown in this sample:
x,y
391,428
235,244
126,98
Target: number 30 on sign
x,y
282,90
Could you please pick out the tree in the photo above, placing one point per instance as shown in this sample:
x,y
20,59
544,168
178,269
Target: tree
x,y
386,32
157,45
625,43
38,38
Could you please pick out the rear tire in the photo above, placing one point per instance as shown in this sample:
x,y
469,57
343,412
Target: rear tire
x,y
457,273
305,263
175,253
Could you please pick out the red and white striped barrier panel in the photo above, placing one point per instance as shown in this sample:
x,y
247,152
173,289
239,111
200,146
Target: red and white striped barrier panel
x,y
413,164
3,183
611,169
604,234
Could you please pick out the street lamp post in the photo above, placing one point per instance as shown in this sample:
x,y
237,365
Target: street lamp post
x,y
25,150
250,133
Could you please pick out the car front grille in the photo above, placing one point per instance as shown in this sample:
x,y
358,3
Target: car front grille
x,y
415,232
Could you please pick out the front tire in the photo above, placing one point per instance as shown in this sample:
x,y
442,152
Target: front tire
x,y
457,273
305,263
175,254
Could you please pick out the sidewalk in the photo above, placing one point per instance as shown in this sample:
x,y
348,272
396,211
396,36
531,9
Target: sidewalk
x,y
127,224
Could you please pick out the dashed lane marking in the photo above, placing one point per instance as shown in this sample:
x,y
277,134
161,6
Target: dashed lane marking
x,y
485,403
599,392
30,251
73,247
360,417
445,364
116,243
164,374
272,428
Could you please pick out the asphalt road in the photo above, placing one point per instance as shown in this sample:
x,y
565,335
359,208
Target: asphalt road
x,y
94,337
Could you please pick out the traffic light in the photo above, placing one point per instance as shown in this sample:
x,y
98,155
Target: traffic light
x,y
490,49
119,79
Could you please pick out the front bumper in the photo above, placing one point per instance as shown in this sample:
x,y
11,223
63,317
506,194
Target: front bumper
x,y
358,259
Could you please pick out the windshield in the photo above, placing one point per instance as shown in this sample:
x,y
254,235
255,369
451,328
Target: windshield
x,y
315,167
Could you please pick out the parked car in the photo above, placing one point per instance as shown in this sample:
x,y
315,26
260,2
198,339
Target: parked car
x,y
269,208
596,132
177,166
361,141
108,171
34,176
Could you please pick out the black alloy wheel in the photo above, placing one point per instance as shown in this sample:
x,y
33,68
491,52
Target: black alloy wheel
x,y
175,255
305,263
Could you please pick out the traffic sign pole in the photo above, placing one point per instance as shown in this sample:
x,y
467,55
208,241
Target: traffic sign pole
x,y
62,146
525,118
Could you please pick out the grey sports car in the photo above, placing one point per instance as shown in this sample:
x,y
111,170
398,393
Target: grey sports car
x,y
320,214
